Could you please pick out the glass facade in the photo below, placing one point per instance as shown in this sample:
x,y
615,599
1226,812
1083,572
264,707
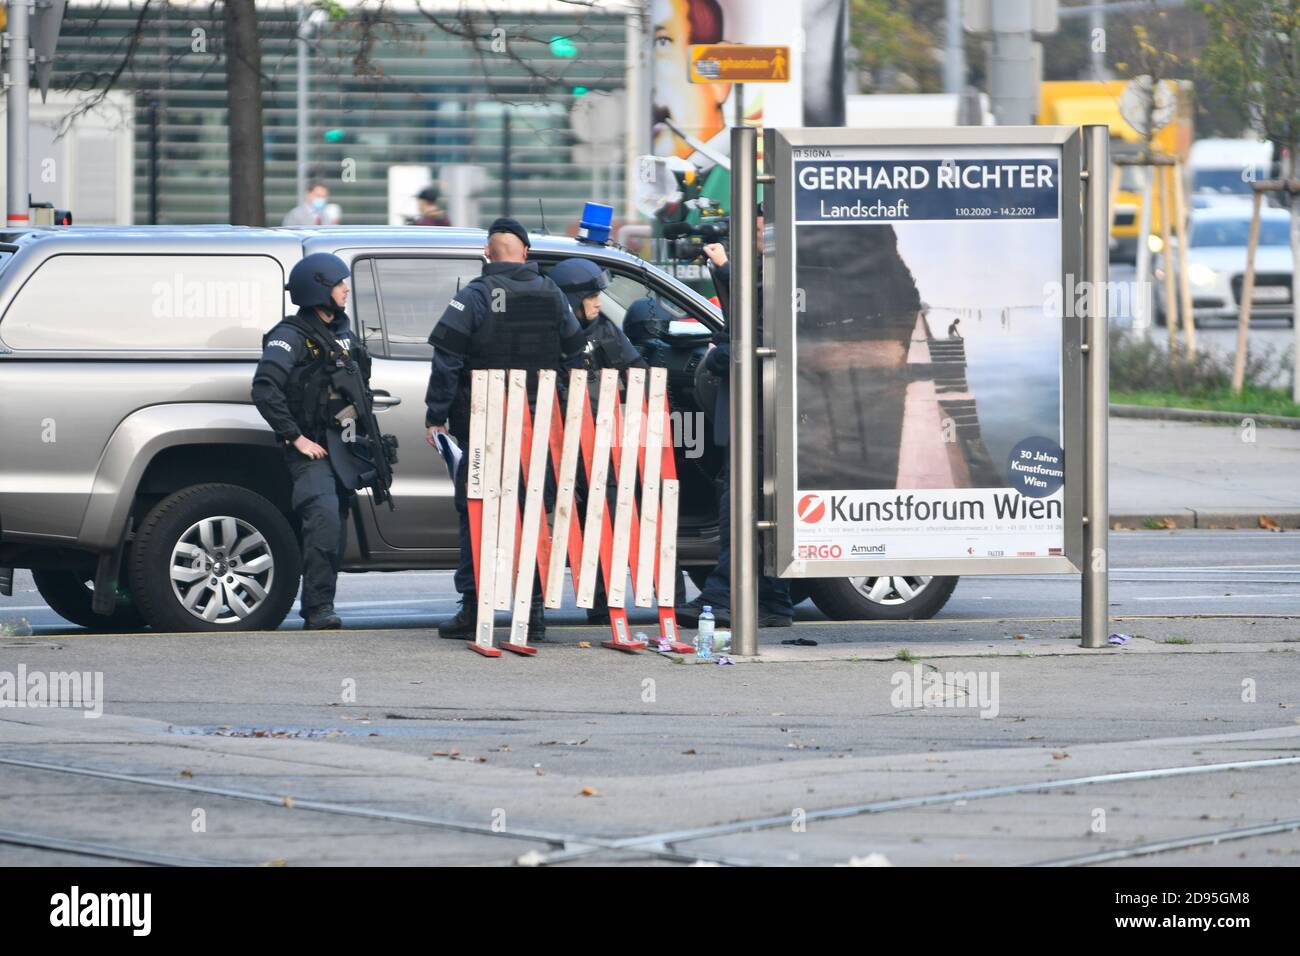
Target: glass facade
x,y
390,83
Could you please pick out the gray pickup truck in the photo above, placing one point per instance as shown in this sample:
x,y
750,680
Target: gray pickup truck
x,y
133,456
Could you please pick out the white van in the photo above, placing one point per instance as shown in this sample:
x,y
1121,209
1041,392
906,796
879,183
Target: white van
x,y
1223,169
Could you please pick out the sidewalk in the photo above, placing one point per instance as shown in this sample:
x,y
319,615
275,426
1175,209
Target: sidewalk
x,y
1203,475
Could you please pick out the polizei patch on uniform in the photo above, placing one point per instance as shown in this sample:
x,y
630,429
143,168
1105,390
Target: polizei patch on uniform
x,y
457,305
280,344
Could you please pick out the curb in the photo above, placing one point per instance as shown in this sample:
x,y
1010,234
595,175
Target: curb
x,y
1190,518
1201,415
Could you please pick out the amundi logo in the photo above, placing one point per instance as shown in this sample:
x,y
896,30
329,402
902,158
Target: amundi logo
x,y
811,509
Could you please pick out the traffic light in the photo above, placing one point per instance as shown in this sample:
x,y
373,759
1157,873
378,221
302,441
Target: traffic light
x,y
563,47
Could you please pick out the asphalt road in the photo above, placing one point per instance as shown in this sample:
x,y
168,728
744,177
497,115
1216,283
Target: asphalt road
x,y
1152,572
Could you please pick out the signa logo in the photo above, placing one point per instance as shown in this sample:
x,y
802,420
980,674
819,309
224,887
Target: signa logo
x,y
811,509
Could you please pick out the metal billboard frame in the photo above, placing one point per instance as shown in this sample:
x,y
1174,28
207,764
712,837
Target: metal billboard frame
x,y
779,372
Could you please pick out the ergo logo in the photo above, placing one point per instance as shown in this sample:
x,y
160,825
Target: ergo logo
x,y
819,551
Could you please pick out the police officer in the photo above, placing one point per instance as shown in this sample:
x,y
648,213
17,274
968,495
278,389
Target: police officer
x,y
774,606
646,327
292,390
510,317
582,281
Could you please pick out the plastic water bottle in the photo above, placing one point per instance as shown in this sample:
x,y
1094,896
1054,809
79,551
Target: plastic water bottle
x,y
704,635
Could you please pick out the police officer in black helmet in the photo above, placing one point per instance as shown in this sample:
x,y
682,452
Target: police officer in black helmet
x,y
582,281
292,390
510,317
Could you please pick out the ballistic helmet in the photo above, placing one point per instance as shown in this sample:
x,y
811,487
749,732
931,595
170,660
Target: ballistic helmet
x,y
578,279
313,278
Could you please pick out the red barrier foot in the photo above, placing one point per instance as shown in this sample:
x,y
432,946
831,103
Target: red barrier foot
x,y
524,649
668,634
485,651
621,641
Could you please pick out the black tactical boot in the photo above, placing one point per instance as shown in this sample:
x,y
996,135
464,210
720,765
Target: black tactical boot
x,y
322,619
461,627
536,621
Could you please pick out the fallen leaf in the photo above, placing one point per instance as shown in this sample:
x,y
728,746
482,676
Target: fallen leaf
x,y
584,643
690,752
1268,524
590,792
288,802
1059,755
278,861
1017,637
190,773
1168,523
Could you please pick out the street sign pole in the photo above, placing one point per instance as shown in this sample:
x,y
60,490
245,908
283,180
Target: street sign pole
x,y
744,427
1095,612
16,67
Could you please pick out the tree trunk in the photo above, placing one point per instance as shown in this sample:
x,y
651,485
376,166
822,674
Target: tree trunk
x,y
244,101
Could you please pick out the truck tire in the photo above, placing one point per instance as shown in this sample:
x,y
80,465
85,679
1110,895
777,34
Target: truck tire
x,y
69,595
896,598
215,557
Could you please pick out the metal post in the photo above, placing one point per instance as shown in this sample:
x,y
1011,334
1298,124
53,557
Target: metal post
x,y
739,119
1012,86
506,171
744,424
954,52
1097,31
153,161
1095,611
302,101
19,200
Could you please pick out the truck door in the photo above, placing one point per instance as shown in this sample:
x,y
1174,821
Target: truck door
x,y
398,296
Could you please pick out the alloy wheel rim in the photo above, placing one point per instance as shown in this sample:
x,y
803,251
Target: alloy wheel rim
x,y
221,569
891,590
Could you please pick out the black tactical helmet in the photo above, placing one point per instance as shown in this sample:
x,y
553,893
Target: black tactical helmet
x,y
580,275
578,279
313,278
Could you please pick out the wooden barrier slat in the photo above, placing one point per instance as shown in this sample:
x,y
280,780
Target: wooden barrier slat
x,y
596,488
668,544
625,502
654,435
509,516
534,503
491,488
565,530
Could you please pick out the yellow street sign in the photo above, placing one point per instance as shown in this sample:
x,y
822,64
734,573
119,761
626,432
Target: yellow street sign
x,y
739,63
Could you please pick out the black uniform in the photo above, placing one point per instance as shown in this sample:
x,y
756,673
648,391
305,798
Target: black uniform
x,y
291,389
606,347
510,317
773,593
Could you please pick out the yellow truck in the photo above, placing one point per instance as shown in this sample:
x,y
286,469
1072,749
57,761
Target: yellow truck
x,y
1081,102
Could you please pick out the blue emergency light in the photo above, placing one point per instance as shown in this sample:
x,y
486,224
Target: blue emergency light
x,y
595,223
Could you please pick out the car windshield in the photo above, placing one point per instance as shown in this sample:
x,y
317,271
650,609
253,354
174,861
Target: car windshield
x,y
1224,181
1236,232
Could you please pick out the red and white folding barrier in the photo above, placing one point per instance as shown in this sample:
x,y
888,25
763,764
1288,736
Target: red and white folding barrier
x,y
628,448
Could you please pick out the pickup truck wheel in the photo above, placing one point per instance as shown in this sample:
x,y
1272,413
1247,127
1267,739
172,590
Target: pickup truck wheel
x,y
893,598
215,558
69,595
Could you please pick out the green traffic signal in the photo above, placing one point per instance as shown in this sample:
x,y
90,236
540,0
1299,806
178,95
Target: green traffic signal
x,y
563,47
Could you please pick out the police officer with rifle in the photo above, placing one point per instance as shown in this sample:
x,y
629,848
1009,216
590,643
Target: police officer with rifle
x,y
313,388
510,317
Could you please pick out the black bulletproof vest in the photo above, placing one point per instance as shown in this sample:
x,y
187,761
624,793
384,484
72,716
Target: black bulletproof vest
x,y
521,327
308,387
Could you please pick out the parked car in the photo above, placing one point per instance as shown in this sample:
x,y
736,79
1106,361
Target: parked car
x,y
131,443
1216,264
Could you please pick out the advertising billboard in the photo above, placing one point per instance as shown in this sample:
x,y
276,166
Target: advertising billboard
x,y
926,409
